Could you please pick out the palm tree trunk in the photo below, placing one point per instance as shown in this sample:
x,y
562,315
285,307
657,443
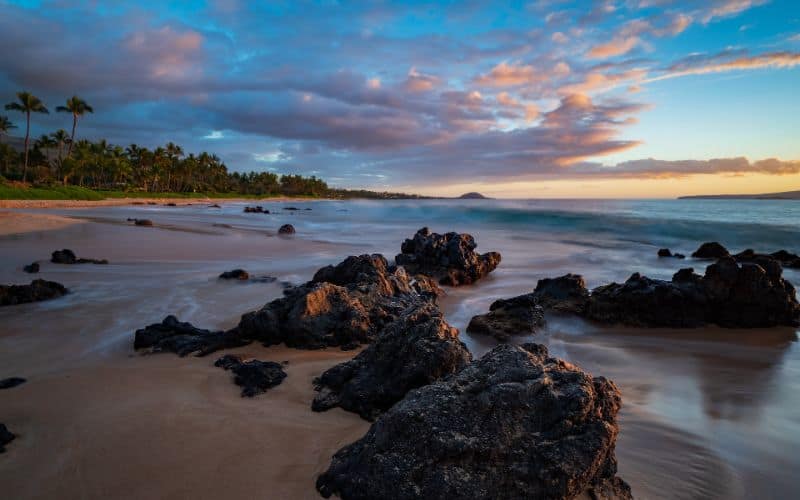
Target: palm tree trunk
x,y
72,137
27,137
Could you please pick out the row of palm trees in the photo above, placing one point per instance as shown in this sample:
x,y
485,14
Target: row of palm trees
x,y
27,104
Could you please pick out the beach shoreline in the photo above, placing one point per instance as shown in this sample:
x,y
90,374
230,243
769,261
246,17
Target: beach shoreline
x,y
116,202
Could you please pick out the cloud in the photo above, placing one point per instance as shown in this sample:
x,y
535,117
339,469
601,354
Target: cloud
x,y
507,75
652,168
728,61
418,82
728,8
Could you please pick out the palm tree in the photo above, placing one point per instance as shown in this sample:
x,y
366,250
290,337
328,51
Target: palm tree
x,y
28,103
5,126
78,107
60,137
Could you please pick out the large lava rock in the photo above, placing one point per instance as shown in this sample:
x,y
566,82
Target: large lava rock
x,y
253,376
711,250
417,349
733,295
344,305
450,258
67,256
566,294
514,424
182,338
38,290
782,257
520,315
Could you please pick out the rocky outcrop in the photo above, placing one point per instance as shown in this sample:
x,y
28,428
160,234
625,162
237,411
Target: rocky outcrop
x,y
565,294
37,291
711,250
344,305
415,350
5,437
182,338
258,209
514,424
520,315
236,274
141,222
67,256
286,229
8,383
732,295
666,252
31,268
782,257
450,258
253,376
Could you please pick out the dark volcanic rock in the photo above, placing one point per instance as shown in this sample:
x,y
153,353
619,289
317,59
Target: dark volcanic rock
x,y
215,205
5,437
343,305
143,222
506,317
31,268
38,290
514,424
782,257
286,229
417,349
732,295
255,210
8,383
236,274
666,252
787,259
67,256
291,208
567,294
183,338
450,258
711,250
254,376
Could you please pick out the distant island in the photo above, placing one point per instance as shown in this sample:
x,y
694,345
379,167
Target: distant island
x,y
473,196
786,195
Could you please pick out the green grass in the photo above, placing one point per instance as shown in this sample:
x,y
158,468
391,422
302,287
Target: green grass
x,y
48,193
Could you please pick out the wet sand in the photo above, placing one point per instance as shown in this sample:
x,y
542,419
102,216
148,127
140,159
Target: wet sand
x,y
16,223
706,413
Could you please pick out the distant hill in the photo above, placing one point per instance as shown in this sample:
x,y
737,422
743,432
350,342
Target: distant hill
x,y
473,196
786,195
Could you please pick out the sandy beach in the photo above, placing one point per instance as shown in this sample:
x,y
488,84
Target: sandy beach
x,y
118,202
96,419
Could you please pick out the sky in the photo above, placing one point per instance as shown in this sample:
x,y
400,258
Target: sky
x,y
548,98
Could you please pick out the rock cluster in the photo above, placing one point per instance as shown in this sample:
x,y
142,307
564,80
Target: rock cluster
x,y
258,209
450,258
666,252
415,350
5,437
254,376
733,295
141,222
31,268
67,256
343,305
38,290
784,258
182,338
520,315
514,424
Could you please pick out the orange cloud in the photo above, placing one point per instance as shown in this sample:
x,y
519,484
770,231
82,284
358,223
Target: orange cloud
x,y
418,82
507,75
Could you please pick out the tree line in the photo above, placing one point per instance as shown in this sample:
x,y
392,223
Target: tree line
x,y
61,158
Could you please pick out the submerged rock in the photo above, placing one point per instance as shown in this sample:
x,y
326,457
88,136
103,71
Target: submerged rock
x,y
731,295
415,350
666,252
183,338
8,383
520,315
37,291
286,229
31,268
143,222
344,305
236,274
711,250
254,376
255,210
514,424
67,256
5,437
450,258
